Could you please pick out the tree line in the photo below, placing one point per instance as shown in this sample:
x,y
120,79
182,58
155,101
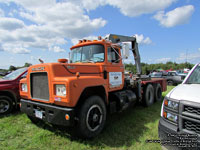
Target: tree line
x,y
12,67
147,68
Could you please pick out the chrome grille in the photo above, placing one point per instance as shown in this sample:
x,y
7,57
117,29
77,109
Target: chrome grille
x,y
39,86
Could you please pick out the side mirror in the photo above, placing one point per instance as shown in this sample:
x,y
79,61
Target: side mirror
x,y
125,50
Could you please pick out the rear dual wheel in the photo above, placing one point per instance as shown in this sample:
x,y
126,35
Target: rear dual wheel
x,y
148,97
158,92
152,94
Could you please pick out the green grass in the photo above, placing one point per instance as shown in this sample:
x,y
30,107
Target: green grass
x,y
127,130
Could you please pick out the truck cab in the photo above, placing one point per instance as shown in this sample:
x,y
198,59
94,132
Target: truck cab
x,y
180,112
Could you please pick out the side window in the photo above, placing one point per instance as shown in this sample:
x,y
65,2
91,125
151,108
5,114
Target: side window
x,y
112,55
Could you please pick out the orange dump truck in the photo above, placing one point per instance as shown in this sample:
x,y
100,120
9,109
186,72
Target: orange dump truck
x,y
83,91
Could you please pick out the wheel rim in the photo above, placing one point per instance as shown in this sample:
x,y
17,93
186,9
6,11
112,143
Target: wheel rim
x,y
4,106
94,118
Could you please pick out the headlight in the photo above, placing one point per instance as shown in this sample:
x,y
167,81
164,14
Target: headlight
x,y
60,90
170,116
169,110
24,87
171,104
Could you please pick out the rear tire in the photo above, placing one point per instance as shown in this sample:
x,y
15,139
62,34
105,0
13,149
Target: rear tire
x,y
148,97
92,117
158,93
6,105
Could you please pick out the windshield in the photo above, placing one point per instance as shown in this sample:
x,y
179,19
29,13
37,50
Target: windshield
x,y
89,53
13,75
194,77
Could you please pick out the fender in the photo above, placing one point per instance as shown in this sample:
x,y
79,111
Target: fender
x,y
78,85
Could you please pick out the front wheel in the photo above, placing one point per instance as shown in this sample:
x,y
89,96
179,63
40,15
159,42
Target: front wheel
x,y
6,105
92,117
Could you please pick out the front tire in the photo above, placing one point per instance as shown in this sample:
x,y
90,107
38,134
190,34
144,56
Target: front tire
x,y
6,105
92,117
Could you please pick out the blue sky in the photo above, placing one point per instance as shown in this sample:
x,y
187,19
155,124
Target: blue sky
x,y
166,30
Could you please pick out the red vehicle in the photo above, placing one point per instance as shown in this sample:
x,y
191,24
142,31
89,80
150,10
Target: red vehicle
x,y
9,90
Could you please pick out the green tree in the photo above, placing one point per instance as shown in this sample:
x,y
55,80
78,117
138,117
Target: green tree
x,y
27,64
12,68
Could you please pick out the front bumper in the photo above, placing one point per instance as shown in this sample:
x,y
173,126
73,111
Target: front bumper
x,y
50,113
170,137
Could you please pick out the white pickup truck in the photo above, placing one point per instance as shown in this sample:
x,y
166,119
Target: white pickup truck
x,y
179,125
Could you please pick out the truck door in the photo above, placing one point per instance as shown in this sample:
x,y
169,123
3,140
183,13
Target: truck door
x,y
115,69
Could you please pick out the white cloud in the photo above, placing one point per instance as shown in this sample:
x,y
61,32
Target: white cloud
x,y
33,4
198,49
91,5
1,48
15,48
53,24
178,16
134,8
10,24
12,12
57,49
163,60
76,40
1,13
74,23
129,8
191,57
142,40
